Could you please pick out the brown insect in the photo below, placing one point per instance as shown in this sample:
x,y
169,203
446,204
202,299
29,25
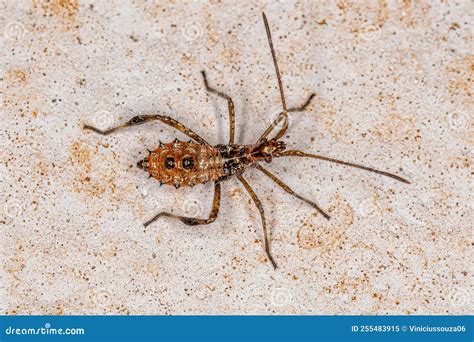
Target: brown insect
x,y
196,162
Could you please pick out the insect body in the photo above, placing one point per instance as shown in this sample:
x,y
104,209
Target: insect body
x,y
195,162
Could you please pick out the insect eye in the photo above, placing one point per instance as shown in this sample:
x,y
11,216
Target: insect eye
x,y
188,163
169,163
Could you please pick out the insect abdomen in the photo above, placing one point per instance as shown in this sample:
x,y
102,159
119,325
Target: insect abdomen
x,y
185,163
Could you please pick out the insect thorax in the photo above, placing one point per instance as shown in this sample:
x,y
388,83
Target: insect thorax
x,y
235,158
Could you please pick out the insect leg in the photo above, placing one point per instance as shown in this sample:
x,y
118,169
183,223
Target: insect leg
x,y
289,190
280,117
297,153
191,221
304,106
259,206
140,119
230,107
284,116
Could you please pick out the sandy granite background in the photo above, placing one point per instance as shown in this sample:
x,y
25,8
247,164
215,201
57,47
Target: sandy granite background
x,y
394,84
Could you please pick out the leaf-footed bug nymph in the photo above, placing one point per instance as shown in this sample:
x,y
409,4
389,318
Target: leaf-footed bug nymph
x,y
196,162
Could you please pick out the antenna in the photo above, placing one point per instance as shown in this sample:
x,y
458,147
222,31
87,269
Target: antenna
x,y
275,63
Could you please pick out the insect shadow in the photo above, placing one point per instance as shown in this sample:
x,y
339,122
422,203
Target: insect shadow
x,y
180,163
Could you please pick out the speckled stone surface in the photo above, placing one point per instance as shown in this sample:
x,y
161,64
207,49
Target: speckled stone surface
x,y
394,85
